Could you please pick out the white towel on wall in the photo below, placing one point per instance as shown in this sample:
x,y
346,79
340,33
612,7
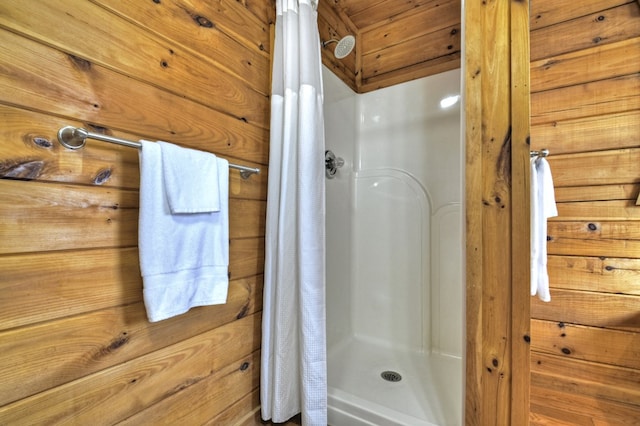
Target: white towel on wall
x,y
184,257
543,206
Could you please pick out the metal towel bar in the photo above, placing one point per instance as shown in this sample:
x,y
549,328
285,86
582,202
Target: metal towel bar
x,y
76,137
542,153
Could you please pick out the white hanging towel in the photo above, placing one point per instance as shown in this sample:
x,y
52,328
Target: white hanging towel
x,y
183,235
543,206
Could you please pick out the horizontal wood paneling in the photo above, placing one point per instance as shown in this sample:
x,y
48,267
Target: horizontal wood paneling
x,y
33,152
585,86
240,412
416,50
130,50
585,31
106,394
410,26
595,193
583,66
92,341
596,168
603,132
595,230
598,210
612,96
424,69
71,216
75,341
206,398
90,217
375,13
586,378
549,12
604,275
575,409
614,311
232,29
571,341
26,285
46,79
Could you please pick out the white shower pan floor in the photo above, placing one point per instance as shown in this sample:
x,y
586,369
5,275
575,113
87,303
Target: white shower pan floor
x,y
430,392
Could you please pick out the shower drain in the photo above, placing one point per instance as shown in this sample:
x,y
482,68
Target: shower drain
x,y
391,376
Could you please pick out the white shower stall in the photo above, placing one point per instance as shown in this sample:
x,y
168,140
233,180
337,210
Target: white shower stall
x,y
395,254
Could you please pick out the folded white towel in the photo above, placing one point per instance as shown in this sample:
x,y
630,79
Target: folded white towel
x,y
188,177
184,258
543,206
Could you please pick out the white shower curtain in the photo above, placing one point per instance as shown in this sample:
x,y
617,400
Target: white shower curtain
x,y
293,375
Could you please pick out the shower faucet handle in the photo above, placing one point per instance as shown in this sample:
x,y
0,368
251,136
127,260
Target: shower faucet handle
x,y
332,164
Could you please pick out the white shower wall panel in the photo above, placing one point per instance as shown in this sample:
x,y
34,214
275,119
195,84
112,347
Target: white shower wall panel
x,y
394,254
340,136
403,132
403,127
391,229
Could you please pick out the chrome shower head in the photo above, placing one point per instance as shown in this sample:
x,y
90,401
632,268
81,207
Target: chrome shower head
x,y
344,47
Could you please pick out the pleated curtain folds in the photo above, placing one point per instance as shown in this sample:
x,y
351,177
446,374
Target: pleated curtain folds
x,y
293,367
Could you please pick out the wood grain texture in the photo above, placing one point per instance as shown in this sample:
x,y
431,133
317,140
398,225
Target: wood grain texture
x,y
611,311
134,51
584,31
521,206
87,343
597,63
415,50
496,77
598,274
598,210
581,409
26,285
76,217
611,239
75,341
609,382
220,24
205,400
240,413
596,168
604,346
613,96
549,12
395,41
494,202
108,394
595,193
474,248
602,132
403,28
45,79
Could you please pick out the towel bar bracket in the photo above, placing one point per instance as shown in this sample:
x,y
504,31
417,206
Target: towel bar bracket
x,y
76,138
542,153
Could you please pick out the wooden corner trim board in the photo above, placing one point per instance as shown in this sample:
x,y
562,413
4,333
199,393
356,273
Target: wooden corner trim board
x,y
497,160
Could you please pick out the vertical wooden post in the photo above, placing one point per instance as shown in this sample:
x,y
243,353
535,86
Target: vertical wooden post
x,y
496,121
521,248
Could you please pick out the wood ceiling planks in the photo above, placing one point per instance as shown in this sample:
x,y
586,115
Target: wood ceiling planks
x,y
398,40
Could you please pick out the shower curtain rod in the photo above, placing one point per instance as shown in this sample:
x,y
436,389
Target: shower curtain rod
x,y
75,138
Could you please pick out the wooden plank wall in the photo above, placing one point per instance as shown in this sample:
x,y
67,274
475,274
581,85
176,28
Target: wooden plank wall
x,y
585,82
75,344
